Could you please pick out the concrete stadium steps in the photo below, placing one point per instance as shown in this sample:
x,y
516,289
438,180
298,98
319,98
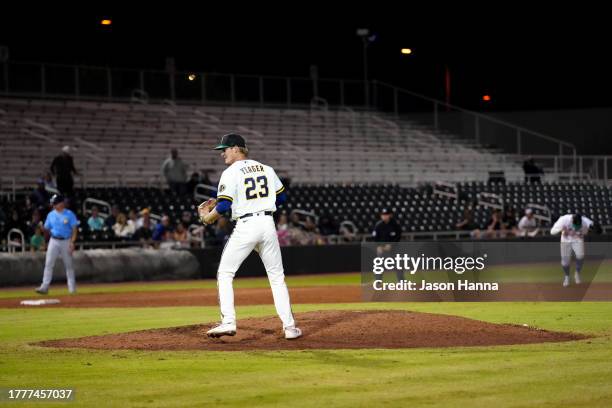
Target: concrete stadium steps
x,y
126,143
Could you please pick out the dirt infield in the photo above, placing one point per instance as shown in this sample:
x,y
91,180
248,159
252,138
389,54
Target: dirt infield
x,y
329,330
198,297
322,294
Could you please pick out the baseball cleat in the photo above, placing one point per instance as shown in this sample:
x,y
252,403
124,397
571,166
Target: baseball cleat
x,y
42,291
566,282
223,329
577,278
292,333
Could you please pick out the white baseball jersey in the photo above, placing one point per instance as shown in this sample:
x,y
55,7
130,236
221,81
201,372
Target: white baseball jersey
x,y
569,234
250,186
527,225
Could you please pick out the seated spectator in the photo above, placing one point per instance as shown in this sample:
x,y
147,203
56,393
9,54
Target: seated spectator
x,y
495,228
223,230
187,218
297,231
145,232
40,197
34,222
167,241
95,222
161,229
111,220
180,236
509,222
132,219
311,228
37,242
122,228
327,226
145,217
468,224
528,225
25,210
294,221
283,223
282,230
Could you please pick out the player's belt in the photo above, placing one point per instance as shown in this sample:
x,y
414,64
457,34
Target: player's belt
x,y
251,214
60,238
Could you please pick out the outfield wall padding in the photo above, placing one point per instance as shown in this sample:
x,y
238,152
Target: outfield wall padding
x,y
137,264
102,265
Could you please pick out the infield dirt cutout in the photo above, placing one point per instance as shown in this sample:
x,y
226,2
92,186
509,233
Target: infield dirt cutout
x,y
329,330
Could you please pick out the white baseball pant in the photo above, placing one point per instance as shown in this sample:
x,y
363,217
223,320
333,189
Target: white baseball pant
x,y
566,251
258,233
58,247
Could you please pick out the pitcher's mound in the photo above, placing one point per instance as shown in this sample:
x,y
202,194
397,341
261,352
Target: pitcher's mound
x,y
329,330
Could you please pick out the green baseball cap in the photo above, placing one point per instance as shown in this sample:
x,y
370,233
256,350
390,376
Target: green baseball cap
x,y
231,140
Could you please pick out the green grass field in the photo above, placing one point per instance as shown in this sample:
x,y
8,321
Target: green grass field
x,y
547,375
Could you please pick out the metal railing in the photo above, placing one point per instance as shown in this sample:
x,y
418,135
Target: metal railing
x,y
14,244
595,169
481,128
133,85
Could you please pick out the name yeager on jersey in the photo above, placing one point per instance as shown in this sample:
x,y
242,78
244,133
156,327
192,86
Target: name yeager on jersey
x,y
252,169
250,186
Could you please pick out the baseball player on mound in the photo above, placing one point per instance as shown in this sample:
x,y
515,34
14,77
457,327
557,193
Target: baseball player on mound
x,y
252,190
573,228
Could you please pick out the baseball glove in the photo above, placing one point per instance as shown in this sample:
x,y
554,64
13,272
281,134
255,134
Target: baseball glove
x,y
206,207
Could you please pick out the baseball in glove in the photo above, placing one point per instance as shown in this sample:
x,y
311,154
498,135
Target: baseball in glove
x,y
205,208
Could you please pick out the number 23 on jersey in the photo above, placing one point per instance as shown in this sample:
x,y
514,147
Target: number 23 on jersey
x,y
256,187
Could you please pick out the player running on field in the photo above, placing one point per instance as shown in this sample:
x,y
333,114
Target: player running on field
x,y
573,228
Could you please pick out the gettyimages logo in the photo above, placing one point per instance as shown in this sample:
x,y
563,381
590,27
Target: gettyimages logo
x,y
404,263
412,265
509,270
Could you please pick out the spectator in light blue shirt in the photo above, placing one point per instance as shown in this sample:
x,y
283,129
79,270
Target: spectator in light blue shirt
x,y
95,222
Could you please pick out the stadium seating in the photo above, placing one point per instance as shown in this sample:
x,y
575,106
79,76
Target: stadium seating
x,y
417,209
590,199
125,144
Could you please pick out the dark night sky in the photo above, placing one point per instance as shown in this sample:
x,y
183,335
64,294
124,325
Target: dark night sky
x,y
523,58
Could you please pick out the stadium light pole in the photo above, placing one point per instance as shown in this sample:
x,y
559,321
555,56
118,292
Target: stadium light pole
x,y
363,33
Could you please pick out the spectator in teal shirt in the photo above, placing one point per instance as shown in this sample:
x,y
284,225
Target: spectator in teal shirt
x,y
95,222
37,242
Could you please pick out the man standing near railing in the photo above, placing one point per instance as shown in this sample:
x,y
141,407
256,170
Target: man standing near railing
x,y
62,168
533,172
61,223
175,172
